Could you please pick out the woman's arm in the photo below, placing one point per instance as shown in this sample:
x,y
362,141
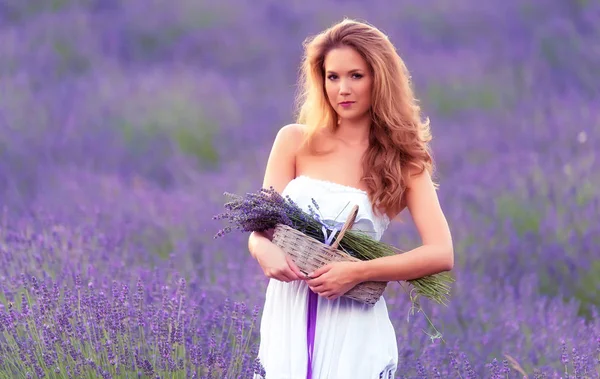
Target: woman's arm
x,y
436,253
256,241
434,256
280,170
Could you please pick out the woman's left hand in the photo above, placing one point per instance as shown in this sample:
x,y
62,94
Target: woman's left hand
x,y
334,279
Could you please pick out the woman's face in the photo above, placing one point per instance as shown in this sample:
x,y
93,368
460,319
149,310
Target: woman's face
x,y
348,83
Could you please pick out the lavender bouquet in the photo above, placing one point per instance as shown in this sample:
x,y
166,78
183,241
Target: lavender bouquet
x,y
266,208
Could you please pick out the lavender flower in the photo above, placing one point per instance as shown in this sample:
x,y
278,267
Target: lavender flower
x,y
257,211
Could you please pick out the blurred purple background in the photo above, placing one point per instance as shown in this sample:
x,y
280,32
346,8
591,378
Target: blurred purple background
x,y
123,122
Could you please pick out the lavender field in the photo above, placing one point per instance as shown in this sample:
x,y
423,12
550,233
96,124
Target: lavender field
x,y
123,122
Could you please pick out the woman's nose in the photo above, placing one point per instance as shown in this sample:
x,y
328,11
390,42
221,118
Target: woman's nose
x,y
344,87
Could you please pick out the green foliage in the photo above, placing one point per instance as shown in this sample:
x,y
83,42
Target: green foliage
x,y
584,290
451,99
587,287
163,247
20,10
148,41
585,193
523,216
70,59
198,143
151,42
172,119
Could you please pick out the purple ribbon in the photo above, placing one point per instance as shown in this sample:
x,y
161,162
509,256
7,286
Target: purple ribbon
x,y
311,319
310,329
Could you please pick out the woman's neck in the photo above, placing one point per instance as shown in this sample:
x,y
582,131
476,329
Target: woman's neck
x,y
354,132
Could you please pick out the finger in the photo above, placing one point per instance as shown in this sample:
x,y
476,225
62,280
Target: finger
x,y
319,289
330,295
291,274
295,269
316,282
297,274
320,271
281,276
288,275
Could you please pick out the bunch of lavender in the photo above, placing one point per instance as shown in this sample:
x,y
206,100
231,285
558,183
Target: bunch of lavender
x,y
266,208
261,211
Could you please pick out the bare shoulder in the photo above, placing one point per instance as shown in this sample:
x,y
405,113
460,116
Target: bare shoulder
x,y
290,137
281,164
417,177
292,133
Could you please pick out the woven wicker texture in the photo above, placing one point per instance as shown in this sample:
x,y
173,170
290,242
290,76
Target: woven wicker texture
x,y
310,254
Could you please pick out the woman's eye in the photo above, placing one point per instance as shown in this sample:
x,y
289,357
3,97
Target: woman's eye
x,y
355,76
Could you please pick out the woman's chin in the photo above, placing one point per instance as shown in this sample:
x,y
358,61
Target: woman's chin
x,y
348,115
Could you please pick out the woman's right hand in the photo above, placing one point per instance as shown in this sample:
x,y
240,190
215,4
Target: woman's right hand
x,y
275,263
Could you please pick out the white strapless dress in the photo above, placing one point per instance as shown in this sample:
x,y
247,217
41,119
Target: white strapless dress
x,y
352,340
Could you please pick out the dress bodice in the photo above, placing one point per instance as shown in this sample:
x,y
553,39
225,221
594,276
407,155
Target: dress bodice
x,y
335,202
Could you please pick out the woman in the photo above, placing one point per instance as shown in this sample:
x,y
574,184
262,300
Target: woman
x,y
359,139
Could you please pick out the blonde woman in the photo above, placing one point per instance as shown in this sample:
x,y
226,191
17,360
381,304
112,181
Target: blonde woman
x,y
359,139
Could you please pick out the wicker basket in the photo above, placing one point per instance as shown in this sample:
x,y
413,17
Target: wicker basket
x,y
310,254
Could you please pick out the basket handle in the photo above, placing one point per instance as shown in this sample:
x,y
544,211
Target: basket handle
x,y
347,225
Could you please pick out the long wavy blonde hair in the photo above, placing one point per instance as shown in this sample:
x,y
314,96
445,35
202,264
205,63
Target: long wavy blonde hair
x,y
398,137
